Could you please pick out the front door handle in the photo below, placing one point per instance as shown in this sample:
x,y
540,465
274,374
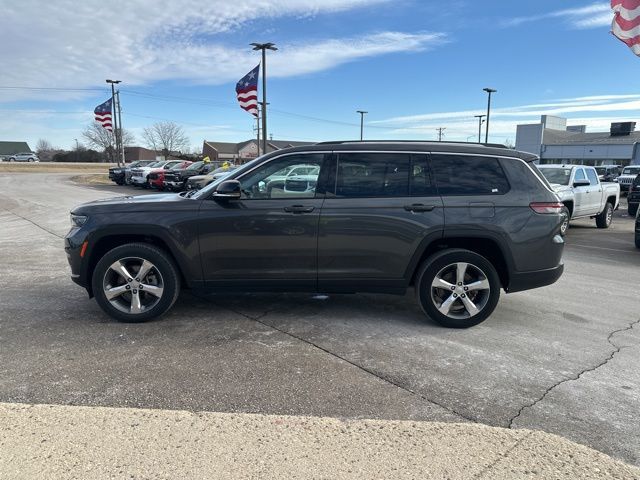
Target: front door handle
x,y
419,207
299,209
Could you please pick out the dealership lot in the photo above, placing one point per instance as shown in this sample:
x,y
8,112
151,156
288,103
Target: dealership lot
x,y
563,359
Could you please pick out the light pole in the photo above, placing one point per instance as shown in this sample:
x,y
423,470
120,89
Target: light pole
x,y
77,150
264,47
489,91
115,117
362,114
480,122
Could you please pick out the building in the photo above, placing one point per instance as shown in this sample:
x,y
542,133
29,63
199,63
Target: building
x,y
11,148
243,151
555,142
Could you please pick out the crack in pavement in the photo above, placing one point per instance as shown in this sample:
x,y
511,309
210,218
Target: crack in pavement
x,y
259,320
33,223
617,349
501,457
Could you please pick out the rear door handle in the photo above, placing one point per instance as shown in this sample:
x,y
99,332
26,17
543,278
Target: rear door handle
x,y
299,209
419,207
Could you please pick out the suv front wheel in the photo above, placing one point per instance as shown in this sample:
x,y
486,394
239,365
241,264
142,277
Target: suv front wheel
x,y
458,288
135,282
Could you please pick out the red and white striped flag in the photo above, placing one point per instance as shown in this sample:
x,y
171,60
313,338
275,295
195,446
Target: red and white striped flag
x,y
626,23
103,115
247,91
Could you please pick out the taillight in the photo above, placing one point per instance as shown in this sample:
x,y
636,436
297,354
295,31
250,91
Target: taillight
x,y
546,207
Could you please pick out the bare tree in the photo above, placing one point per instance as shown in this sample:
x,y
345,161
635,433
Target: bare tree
x,y
100,138
166,137
46,150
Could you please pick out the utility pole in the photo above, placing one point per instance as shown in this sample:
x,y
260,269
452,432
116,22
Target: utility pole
x,y
264,47
440,132
258,129
114,118
77,150
489,91
480,122
362,114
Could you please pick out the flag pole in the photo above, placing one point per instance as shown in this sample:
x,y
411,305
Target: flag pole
x,y
258,129
121,152
114,117
264,47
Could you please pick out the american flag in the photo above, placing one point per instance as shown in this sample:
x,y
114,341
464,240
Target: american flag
x,y
626,23
247,91
103,115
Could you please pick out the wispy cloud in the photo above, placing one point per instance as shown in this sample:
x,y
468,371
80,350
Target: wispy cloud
x,y
143,43
591,16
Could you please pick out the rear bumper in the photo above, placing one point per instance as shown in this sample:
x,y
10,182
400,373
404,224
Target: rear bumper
x,y
520,281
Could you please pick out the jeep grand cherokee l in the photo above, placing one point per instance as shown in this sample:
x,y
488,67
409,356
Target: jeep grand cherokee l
x,y
455,222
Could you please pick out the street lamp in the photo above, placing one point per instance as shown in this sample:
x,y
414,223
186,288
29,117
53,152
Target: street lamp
x,y
489,91
480,122
362,114
264,47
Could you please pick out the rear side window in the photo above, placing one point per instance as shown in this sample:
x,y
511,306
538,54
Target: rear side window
x,y
373,175
593,177
469,175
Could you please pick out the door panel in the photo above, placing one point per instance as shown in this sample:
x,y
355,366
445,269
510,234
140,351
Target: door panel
x,y
371,225
582,205
267,240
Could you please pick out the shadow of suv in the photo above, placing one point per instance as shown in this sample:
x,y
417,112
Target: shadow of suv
x,y
456,222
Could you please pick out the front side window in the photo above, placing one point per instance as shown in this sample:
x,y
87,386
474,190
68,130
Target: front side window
x,y
580,175
469,175
291,176
373,175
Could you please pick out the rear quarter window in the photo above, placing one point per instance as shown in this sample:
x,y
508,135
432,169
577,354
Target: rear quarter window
x,y
469,175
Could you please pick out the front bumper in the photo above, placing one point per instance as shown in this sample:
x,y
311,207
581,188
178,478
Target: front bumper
x,y
138,180
173,184
73,246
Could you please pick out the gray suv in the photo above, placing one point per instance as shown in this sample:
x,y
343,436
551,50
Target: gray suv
x,y
457,223
23,157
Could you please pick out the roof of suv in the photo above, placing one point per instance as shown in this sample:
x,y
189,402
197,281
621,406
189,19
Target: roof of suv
x,y
421,146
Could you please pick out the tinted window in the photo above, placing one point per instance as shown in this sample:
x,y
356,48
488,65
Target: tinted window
x,y
373,175
593,177
468,175
420,179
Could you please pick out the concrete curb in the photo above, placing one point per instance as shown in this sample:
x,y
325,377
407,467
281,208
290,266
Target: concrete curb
x,y
68,442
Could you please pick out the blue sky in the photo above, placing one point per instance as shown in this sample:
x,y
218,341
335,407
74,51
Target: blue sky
x,y
414,65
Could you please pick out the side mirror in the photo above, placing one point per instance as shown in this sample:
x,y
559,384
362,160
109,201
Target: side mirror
x,y
229,189
581,183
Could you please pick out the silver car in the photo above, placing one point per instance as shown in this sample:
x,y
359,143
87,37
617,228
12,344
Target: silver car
x,y
23,157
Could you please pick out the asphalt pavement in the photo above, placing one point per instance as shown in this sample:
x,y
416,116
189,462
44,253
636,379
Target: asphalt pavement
x,y
563,359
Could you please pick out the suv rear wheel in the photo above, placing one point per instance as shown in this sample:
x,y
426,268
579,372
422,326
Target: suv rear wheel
x,y
135,282
458,288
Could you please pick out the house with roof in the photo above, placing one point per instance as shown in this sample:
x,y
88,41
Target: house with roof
x,y
243,151
11,148
556,142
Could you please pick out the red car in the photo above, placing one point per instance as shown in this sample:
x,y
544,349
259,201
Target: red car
x,y
155,178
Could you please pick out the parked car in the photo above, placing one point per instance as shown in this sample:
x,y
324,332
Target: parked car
x,y
24,157
119,174
627,176
139,175
155,179
200,181
582,193
176,181
633,199
608,173
377,228
637,234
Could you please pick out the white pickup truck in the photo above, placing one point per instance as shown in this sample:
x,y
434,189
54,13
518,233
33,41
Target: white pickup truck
x,y
582,193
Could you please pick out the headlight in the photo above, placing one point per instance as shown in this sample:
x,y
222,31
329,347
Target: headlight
x,y
78,220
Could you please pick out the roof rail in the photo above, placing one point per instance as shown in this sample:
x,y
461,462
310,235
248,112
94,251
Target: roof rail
x,y
342,142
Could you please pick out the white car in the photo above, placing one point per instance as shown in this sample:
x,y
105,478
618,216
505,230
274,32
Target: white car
x,y
627,177
582,193
139,175
23,157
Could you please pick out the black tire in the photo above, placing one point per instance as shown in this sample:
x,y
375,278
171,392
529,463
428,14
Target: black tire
x,y
565,222
603,220
633,209
119,182
479,269
637,240
162,276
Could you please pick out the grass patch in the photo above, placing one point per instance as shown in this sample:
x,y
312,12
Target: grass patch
x,y
54,167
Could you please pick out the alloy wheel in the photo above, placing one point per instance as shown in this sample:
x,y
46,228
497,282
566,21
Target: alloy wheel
x,y
133,285
460,290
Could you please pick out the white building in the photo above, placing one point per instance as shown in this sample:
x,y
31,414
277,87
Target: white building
x,y
555,142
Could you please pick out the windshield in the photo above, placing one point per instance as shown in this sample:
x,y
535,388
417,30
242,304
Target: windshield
x,y
601,170
177,166
195,166
631,171
559,176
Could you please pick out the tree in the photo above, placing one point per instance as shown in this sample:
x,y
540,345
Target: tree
x,y
166,138
100,138
45,150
